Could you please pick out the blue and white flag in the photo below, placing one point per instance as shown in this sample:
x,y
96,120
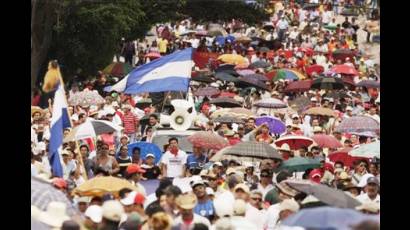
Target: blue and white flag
x,y
59,121
168,73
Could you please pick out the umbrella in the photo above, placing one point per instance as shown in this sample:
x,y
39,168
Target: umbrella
x,y
327,218
286,74
243,39
226,77
257,76
98,186
208,140
226,102
329,83
242,66
260,64
295,142
364,134
330,27
276,126
232,59
300,103
224,68
253,149
321,111
314,69
324,193
207,91
240,112
310,6
359,124
227,94
152,55
367,150
337,94
92,128
270,103
42,193
228,119
118,69
343,156
369,84
86,98
270,75
248,81
143,103
245,72
342,54
300,164
326,141
344,69
146,148
299,86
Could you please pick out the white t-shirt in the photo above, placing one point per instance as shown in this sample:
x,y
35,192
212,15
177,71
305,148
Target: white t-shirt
x,y
174,163
272,216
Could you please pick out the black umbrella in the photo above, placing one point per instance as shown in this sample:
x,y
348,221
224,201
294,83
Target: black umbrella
x,y
268,27
203,78
369,84
260,64
225,67
248,81
226,77
328,83
337,95
342,54
225,102
324,193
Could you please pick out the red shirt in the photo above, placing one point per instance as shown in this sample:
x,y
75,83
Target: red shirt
x,y
130,122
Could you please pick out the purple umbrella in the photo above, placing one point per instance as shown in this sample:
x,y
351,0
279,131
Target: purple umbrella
x,y
276,126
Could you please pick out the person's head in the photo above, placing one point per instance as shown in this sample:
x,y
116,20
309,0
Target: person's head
x,y
136,154
353,138
265,129
302,151
232,181
315,150
161,221
339,165
287,208
150,159
361,166
284,191
374,168
186,204
199,189
315,122
373,110
153,119
372,187
266,176
124,151
256,199
173,142
212,180
112,212
172,192
250,124
241,191
124,140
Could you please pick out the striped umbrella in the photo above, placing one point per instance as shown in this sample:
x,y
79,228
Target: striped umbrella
x,y
367,150
92,128
369,84
295,142
272,103
253,149
329,83
42,193
207,91
299,86
287,74
118,69
326,141
359,124
208,140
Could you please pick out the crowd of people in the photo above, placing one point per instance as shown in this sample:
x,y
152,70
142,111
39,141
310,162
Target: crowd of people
x,y
194,191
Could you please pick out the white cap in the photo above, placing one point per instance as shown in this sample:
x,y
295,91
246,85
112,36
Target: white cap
x,y
196,182
129,199
150,155
114,104
94,212
217,164
213,84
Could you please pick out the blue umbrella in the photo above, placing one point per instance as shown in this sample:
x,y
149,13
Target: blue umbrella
x,y
145,149
328,218
230,38
276,126
221,40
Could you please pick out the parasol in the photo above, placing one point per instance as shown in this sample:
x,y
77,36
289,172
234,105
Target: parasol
x,y
98,186
326,141
91,128
275,125
270,103
295,142
207,140
359,124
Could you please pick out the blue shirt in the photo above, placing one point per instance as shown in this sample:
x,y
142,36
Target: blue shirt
x,y
193,161
205,209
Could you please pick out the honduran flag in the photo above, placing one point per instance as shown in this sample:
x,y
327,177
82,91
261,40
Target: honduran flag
x,y
59,121
168,73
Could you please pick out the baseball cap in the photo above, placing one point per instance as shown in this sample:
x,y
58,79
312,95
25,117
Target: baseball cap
x,y
243,187
150,155
139,199
112,210
373,180
134,168
197,182
369,206
129,199
313,99
94,212
349,108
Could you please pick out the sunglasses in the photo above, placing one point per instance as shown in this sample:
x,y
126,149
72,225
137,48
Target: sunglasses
x,y
256,198
264,175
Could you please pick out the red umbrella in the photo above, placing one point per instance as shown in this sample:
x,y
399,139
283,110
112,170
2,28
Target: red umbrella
x,y
326,141
307,51
299,86
344,69
343,156
207,140
314,68
153,55
295,142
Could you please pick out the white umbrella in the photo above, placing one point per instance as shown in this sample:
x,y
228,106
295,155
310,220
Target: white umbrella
x,y
92,128
367,150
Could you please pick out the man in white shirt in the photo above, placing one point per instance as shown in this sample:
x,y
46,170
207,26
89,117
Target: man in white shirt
x,y
321,59
371,191
294,33
321,47
282,26
173,161
326,17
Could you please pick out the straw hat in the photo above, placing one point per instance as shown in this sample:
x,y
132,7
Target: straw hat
x,y
284,188
186,201
36,109
55,214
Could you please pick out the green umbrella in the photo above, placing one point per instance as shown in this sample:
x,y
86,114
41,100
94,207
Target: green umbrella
x,y
300,164
367,150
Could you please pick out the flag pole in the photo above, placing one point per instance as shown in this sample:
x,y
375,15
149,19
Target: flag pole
x,y
77,149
